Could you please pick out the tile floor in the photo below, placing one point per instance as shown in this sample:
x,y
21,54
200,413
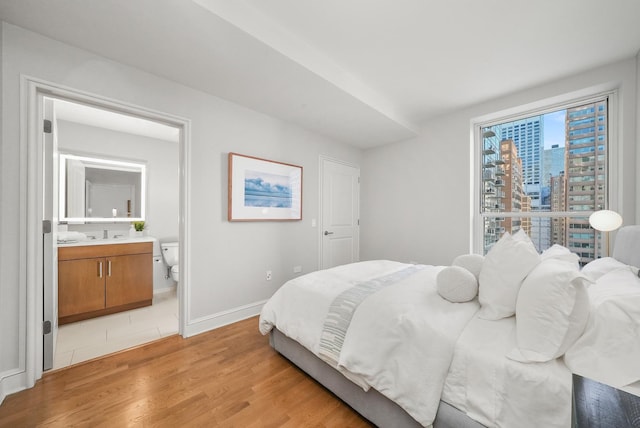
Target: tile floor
x,y
84,340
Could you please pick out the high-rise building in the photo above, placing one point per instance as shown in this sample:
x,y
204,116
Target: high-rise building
x,y
493,184
542,227
552,164
502,187
512,198
586,145
528,137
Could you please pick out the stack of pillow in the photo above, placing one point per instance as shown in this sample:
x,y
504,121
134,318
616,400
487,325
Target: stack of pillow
x,y
547,293
589,316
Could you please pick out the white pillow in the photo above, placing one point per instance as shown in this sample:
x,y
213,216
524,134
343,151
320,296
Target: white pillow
x,y
599,267
561,253
471,262
504,267
457,284
521,235
552,311
609,348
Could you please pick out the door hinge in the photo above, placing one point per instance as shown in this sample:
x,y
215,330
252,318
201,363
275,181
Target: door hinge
x,y
358,222
47,126
46,327
46,226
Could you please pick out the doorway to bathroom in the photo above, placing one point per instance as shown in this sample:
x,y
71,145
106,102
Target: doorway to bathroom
x,y
95,128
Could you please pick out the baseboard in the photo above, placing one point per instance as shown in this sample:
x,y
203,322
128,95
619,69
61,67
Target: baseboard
x,y
211,322
10,382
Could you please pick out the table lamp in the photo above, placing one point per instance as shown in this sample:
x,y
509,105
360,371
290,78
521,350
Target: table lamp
x,y
605,221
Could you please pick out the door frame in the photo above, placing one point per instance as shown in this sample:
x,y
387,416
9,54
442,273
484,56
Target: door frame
x,y
49,244
31,260
321,163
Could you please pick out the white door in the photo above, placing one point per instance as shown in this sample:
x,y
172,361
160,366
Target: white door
x,y
49,217
340,221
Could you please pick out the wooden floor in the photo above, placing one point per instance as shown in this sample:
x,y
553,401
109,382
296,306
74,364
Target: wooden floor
x,y
228,377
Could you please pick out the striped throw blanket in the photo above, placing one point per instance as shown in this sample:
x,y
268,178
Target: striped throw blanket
x,y
344,306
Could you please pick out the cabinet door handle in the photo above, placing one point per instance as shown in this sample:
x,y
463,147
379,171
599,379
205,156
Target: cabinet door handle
x,y
99,269
108,267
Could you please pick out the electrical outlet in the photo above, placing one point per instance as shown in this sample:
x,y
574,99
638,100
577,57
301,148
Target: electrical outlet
x,y
297,269
269,275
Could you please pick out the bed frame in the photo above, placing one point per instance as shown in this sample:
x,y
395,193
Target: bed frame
x,y
372,405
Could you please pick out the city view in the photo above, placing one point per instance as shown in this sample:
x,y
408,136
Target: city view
x,y
546,174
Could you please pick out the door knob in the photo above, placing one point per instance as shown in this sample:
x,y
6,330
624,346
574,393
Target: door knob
x,y
326,232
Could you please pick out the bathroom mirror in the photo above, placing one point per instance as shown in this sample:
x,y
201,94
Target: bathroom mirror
x,y
101,190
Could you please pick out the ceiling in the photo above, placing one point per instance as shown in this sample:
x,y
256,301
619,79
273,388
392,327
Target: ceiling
x,y
360,71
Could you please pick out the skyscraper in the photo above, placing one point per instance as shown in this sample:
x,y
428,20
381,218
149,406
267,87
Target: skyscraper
x,y
552,164
493,185
512,198
527,135
586,145
502,187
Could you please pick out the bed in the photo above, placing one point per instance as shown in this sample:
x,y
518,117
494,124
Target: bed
x,y
380,335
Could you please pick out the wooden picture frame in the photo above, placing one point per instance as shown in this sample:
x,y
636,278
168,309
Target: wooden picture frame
x,y
263,190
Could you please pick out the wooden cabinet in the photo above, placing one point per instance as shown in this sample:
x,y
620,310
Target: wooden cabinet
x,y
80,286
95,280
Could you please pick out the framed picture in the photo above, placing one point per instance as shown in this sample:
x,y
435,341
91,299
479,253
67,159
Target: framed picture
x,y
261,189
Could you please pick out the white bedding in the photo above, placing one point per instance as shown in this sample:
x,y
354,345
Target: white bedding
x,y
499,392
609,349
416,348
400,340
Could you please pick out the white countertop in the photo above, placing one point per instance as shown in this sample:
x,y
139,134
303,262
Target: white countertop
x,y
123,240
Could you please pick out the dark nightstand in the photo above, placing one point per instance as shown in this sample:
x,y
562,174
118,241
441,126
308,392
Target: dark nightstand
x,y
596,405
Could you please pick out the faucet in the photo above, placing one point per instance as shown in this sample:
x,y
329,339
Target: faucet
x,y
118,236
105,234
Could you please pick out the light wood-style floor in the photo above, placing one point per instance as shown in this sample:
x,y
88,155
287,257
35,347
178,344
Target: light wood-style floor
x,y
228,377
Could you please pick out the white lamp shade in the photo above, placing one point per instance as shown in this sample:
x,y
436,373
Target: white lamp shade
x,y
605,220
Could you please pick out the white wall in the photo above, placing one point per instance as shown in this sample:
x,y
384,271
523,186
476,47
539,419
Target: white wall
x,y
416,194
228,260
160,157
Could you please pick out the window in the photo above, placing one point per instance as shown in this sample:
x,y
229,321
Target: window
x,y
547,182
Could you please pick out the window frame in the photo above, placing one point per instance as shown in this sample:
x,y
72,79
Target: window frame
x,y
613,179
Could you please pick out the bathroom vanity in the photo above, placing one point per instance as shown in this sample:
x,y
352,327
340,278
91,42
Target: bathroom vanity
x,y
104,277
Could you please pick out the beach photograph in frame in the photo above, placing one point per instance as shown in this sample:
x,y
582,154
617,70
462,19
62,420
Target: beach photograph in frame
x,y
262,189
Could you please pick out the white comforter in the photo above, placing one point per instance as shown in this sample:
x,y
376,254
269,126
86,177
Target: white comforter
x,y
400,340
502,393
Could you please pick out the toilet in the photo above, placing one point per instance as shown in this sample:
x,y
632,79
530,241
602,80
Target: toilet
x,y
170,253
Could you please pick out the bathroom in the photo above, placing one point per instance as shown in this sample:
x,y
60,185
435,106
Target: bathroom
x,y
100,134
